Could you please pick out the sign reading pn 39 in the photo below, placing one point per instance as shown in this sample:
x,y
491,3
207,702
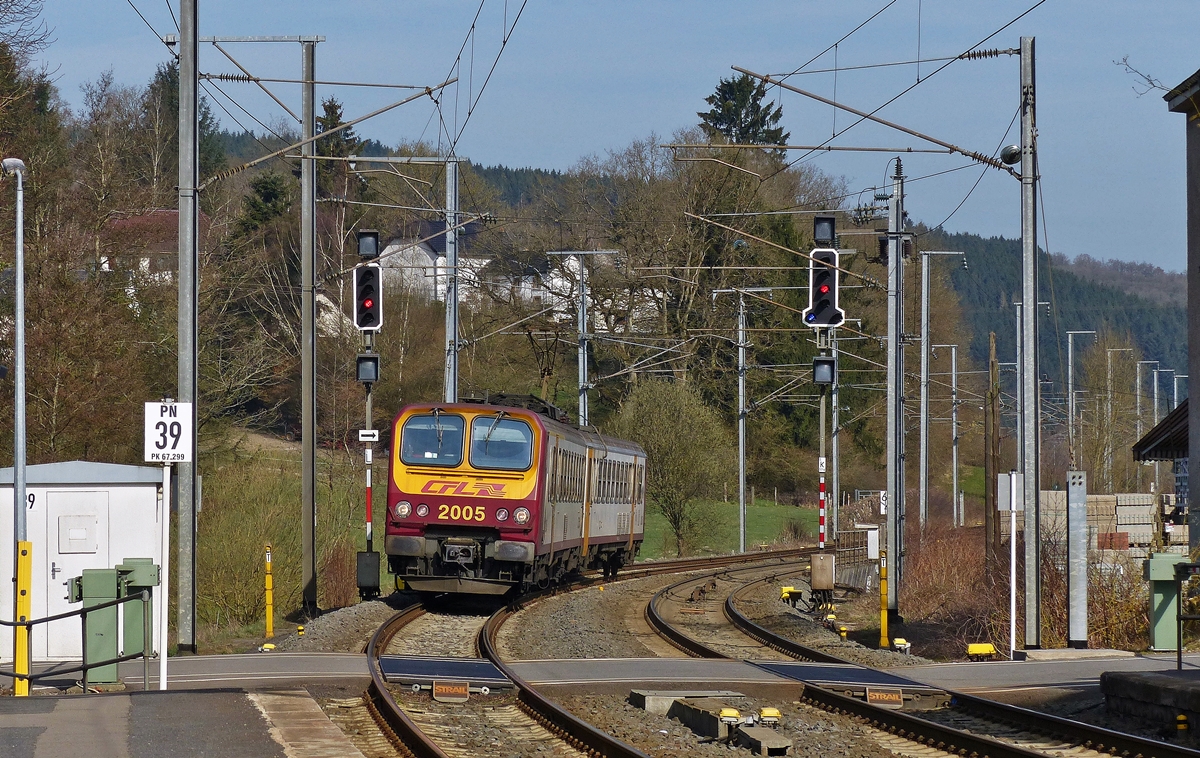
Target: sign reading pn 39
x,y
168,432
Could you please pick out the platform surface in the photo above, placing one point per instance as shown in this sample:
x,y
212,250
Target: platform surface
x,y
140,725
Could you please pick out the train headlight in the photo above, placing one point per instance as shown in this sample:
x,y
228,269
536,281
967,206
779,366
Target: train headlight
x,y
422,510
502,514
402,509
521,515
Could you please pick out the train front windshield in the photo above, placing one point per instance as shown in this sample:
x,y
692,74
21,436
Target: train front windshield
x,y
501,443
432,440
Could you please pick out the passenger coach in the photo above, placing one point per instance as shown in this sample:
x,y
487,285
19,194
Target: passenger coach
x,y
487,497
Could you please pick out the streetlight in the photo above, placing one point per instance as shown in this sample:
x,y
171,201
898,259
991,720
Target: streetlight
x,y
923,474
22,555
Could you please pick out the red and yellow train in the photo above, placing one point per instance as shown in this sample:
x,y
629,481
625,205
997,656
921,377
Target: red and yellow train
x,y
484,498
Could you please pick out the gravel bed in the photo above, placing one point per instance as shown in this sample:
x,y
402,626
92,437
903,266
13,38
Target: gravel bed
x,y
345,630
813,732
441,634
763,606
597,622
492,726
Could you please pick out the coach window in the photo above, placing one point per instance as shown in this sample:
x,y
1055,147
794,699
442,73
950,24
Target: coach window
x,y
501,442
432,440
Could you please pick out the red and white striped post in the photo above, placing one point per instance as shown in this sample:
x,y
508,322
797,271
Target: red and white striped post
x,y
821,516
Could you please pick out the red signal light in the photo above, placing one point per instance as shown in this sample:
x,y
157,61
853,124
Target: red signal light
x,y
368,303
824,289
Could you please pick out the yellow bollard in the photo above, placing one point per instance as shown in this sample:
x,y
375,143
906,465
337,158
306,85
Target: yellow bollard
x,y
24,611
270,588
1181,724
883,601
299,631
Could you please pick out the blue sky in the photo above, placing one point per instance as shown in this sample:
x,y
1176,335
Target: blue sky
x,y
582,78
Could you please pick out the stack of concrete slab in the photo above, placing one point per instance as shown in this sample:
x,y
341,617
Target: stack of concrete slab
x,y
1135,516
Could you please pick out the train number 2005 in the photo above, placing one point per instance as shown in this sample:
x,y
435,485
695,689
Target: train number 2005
x,y
461,513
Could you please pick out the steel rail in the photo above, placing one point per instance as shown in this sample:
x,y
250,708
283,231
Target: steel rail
x,y
694,648
1084,735
561,722
673,635
404,735
408,738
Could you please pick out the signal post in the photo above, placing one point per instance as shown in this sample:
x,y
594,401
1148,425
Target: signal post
x,y
823,314
368,319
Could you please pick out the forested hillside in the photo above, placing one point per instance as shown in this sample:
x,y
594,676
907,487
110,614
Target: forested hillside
x,y
1157,324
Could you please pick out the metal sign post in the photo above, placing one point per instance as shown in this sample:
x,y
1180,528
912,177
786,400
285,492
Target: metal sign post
x,y
168,440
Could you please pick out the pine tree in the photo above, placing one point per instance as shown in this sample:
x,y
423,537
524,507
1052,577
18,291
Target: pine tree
x,y
739,115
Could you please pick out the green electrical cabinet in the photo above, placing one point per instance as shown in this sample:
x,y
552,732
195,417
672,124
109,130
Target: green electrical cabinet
x,y
1159,570
99,586
96,587
138,574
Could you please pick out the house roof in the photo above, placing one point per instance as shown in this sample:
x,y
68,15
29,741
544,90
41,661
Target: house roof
x,y
1181,98
1168,440
436,230
85,472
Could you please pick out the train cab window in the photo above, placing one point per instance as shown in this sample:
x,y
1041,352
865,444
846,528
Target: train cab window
x,y
433,440
500,442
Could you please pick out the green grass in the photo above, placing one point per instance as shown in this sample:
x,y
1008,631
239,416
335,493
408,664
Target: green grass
x,y
972,481
716,528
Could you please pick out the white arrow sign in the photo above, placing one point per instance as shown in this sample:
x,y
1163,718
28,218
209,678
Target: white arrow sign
x,y
168,433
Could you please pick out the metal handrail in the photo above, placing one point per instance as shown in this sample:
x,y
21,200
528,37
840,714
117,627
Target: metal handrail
x,y
145,654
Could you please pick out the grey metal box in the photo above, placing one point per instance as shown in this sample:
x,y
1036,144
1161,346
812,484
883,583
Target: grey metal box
x,y
822,571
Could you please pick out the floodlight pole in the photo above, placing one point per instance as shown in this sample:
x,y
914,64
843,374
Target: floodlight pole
x,y
923,474
1071,391
959,516
1138,403
22,547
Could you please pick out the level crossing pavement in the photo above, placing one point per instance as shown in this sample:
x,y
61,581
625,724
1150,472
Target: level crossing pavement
x,y
999,677
255,704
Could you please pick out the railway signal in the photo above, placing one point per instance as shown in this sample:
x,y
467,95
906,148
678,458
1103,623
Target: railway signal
x,y
368,303
823,277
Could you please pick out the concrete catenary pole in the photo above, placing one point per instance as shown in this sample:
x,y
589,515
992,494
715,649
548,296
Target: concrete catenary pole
x,y
1031,389
895,391
189,174
741,415
308,320
583,342
452,279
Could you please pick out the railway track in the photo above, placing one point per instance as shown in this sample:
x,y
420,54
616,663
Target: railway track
x,y
968,726
531,722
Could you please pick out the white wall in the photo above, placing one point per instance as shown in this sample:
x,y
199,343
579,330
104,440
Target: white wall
x,y
127,524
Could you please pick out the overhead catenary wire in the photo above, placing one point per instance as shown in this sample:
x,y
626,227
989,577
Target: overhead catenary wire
x,y
966,55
